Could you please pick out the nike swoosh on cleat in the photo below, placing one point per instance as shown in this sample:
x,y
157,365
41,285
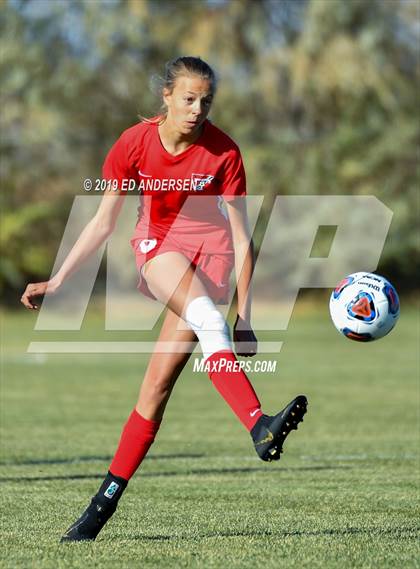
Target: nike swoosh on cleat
x,y
267,439
252,413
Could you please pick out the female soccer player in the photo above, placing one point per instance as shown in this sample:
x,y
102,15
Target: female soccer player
x,y
192,229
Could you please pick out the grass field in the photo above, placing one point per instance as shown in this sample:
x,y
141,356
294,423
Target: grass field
x,y
343,495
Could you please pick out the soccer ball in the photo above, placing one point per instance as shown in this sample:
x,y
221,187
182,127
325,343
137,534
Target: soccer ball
x,y
364,307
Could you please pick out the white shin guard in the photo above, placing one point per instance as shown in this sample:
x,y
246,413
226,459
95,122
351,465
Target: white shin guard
x,y
209,325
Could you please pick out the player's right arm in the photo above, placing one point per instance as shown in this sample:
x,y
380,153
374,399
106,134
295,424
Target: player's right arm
x,y
95,233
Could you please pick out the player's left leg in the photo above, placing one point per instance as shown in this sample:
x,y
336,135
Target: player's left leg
x,y
140,430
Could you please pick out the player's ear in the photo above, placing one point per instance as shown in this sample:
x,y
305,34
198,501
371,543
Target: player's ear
x,y
166,95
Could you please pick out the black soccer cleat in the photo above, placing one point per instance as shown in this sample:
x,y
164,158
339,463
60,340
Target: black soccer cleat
x,y
270,432
101,508
90,523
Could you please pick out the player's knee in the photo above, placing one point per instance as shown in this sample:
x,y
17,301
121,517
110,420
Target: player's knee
x,y
214,321
209,325
202,314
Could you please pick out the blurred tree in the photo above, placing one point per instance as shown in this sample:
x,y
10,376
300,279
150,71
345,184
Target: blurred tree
x,y
354,76
320,95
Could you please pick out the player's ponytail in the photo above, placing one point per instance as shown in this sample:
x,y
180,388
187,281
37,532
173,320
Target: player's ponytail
x,y
178,67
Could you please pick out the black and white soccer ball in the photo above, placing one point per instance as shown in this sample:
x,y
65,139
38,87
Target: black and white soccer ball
x,y
364,307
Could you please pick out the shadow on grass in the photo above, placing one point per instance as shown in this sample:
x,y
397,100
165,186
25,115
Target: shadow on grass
x,y
76,459
193,472
398,531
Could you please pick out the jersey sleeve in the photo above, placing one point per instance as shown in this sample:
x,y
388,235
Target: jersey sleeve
x,y
234,182
117,168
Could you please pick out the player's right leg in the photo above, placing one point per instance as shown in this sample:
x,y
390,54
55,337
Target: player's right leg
x,y
139,431
173,281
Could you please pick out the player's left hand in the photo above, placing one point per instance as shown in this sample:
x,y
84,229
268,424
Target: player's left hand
x,y
246,343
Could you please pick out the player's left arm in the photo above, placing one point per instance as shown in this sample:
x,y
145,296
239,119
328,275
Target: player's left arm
x,y
244,267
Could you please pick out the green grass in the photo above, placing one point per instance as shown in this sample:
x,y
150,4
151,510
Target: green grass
x,y
343,495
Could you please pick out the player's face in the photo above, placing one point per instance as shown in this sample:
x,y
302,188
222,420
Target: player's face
x,y
189,103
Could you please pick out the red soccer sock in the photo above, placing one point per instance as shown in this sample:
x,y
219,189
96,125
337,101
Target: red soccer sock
x,y
234,386
137,436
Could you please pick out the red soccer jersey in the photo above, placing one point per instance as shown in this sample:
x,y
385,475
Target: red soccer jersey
x,y
181,194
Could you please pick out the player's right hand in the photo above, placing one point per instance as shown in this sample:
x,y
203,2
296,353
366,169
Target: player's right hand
x,y
34,290
246,343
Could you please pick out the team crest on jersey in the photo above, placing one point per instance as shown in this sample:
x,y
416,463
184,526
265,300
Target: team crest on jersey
x,y
201,180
